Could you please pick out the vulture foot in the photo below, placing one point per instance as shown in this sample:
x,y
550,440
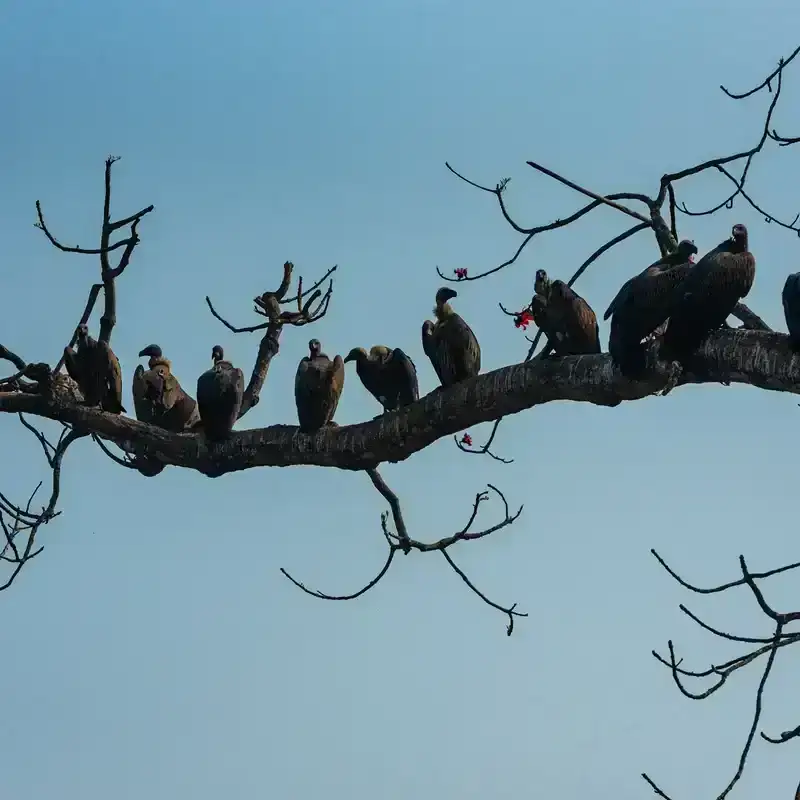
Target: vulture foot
x,y
675,370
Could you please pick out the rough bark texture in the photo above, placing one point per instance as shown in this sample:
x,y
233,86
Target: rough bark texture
x,y
756,358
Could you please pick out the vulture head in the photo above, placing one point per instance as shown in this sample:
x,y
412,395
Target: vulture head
x,y
541,284
356,354
314,348
686,249
739,237
217,354
152,350
444,294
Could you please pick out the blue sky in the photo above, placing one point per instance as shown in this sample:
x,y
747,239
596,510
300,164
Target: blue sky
x,y
154,650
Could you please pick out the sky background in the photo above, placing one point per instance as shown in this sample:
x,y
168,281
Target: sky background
x,y
154,650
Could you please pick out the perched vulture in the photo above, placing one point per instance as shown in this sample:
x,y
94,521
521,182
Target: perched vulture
x,y
791,308
713,287
318,386
388,375
640,310
683,255
450,343
158,396
219,396
95,368
565,317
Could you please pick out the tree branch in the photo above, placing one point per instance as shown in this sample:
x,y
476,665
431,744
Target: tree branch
x,y
755,358
400,540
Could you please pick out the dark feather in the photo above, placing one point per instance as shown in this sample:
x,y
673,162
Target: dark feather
x,y
791,308
450,343
683,255
575,319
641,311
390,376
219,397
96,370
711,291
318,385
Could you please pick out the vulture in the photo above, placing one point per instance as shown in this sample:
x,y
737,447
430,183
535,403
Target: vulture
x,y
318,386
791,308
565,317
219,396
388,375
642,306
450,343
158,397
57,387
95,368
713,287
683,255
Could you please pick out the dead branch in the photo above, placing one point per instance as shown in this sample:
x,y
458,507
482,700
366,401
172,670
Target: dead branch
x,y
769,646
21,523
311,306
108,274
465,444
400,540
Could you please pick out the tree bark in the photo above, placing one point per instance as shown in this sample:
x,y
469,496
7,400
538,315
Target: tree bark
x,y
756,358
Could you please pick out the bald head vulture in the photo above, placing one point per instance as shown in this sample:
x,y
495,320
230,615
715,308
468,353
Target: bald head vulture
x,y
713,287
95,368
449,343
641,310
388,375
684,254
318,385
565,317
219,396
158,397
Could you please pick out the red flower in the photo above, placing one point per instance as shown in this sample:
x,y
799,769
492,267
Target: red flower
x,y
467,440
523,319
461,273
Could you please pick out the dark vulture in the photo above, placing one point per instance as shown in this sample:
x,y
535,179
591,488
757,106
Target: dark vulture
x,y
450,343
158,397
791,308
640,311
713,287
683,255
388,375
565,317
219,396
318,386
95,368
59,388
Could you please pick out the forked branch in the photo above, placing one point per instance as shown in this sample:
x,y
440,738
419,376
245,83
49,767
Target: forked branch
x,y
399,539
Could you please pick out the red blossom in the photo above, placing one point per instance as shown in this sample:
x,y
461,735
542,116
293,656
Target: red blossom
x,y
523,319
461,273
467,440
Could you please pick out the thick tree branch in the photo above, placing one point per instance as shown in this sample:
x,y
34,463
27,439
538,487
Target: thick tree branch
x,y
755,358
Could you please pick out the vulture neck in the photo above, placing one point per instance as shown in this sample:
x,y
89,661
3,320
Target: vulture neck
x,y
159,362
443,311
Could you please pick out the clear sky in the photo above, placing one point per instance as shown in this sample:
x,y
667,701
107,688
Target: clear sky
x,y
154,650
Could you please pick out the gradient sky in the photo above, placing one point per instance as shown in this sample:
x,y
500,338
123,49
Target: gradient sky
x,y
154,650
